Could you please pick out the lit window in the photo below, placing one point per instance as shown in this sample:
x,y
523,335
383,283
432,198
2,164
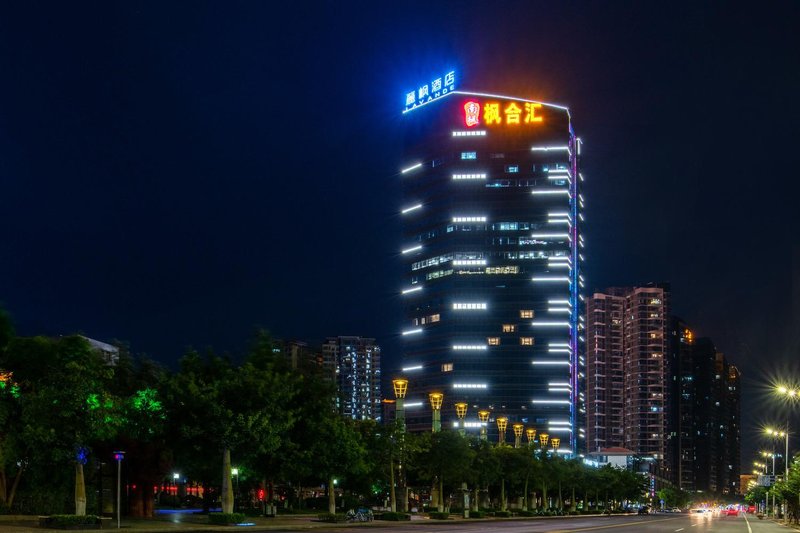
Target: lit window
x,y
512,169
471,306
526,341
493,341
509,328
526,313
502,270
469,155
447,367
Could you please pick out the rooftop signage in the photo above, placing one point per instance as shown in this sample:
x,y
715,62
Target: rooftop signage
x,y
437,88
493,113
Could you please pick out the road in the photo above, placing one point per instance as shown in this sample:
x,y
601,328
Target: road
x,y
682,523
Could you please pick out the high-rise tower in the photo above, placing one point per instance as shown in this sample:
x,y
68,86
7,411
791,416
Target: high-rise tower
x,y
492,253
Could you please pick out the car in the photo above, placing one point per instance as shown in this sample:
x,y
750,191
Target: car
x,y
676,510
700,512
732,512
643,510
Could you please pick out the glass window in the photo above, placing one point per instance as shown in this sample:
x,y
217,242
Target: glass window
x,y
526,341
526,313
447,367
469,155
512,169
493,341
509,328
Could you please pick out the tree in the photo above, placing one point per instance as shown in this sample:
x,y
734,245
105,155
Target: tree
x,y
229,409
66,407
484,469
445,456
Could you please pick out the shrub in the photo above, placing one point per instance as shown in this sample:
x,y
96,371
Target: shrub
x,y
526,513
393,517
502,514
225,518
477,514
331,517
71,521
439,516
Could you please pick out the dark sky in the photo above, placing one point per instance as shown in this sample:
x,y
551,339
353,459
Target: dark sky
x,y
178,173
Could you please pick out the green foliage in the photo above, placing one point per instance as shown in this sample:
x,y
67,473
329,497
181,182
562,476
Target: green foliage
x,y
331,517
393,517
70,520
477,514
225,518
502,514
438,516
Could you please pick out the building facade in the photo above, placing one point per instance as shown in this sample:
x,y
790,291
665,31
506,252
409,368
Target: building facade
x,y
492,256
355,364
627,369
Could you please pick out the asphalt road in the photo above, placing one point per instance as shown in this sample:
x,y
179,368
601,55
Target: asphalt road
x,y
629,524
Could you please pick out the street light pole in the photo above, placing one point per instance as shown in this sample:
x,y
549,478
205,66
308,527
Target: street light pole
x,y
119,455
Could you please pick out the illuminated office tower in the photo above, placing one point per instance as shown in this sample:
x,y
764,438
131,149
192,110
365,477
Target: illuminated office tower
x,y
355,363
492,253
627,370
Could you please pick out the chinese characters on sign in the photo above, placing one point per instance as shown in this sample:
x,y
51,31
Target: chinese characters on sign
x,y
431,91
492,113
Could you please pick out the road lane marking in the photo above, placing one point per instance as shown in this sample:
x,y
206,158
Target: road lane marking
x,y
681,529
613,525
749,529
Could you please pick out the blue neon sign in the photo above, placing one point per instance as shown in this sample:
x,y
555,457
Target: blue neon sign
x,y
437,88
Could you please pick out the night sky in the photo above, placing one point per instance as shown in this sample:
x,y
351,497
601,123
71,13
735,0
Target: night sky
x,y
176,174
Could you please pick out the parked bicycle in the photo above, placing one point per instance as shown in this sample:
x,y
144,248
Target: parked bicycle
x,y
362,515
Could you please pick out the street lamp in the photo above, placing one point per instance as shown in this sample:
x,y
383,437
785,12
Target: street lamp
x,y
461,412
543,439
483,416
235,473
400,388
518,429
531,434
502,424
436,399
555,441
119,456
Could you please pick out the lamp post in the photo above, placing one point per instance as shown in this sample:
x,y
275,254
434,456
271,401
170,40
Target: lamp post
x,y
461,412
555,441
531,434
774,433
502,424
518,429
436,399
543,440
235,473
400,388
119,456
791,393
483,416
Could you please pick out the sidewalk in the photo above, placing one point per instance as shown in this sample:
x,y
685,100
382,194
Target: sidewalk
x,y
170,523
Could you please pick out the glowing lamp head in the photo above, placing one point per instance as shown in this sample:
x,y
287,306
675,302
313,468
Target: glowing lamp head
x,y
436,399
783,390
531,434
400,387
555,441
483,415
518,429
502,423
461,410
543,438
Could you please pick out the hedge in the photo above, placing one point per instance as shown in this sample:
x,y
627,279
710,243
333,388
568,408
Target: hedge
x,y
439,516
393,517
225,518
